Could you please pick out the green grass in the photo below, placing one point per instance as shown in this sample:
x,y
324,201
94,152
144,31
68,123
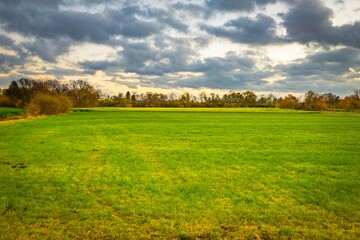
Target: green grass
x,y
164,109
181,173
10,113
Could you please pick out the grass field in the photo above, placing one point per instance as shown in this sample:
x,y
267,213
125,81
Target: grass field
x,y
10,113
185,174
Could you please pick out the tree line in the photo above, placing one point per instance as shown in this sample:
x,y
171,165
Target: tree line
x,y
53,97
49,97
311,101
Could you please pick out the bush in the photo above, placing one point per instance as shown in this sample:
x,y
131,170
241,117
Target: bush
x,y
6,102
46,104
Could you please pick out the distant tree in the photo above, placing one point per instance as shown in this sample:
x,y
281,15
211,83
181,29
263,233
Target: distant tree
x,y
185,99
310,98
21,91
83,94
271,100
331,100
351,103
266,101
289,102
133,98
107,101
261,101
314,102
356,94
5,100
203,97
51,86
128,96
234,99
249,99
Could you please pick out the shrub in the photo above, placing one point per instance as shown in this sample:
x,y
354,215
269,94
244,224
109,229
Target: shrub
x,y
46,104
5,101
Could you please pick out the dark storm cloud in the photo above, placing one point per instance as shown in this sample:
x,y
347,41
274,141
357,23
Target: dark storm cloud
x,y
310,21
6,41
32,20
231,5
17,58
194,10
260,30
167,18
92,2
52,24
135,56
307,21
10,44
48,50
145,59
230,72
226,80
26,3
164,55
335,63
61,72
130,25
8,62
328,71
99,65
228,63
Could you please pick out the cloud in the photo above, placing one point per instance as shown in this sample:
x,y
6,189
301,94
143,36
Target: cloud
x,y
161,55
167,44
192,9
8,62
166,18
307,21
46,22
231,5
335,62
6,41
327,71
167,67
48,49
99,65
311,21
260,30
25,3
230,62
130,25
229,72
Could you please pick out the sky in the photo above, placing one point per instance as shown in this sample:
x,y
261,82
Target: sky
x,y
164,46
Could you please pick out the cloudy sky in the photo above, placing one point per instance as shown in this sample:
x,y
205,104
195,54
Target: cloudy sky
x,y
267,46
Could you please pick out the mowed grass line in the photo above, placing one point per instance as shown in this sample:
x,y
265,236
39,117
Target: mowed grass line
x,y
181,174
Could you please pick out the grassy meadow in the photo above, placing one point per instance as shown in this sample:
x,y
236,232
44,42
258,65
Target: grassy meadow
x,y
181,174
